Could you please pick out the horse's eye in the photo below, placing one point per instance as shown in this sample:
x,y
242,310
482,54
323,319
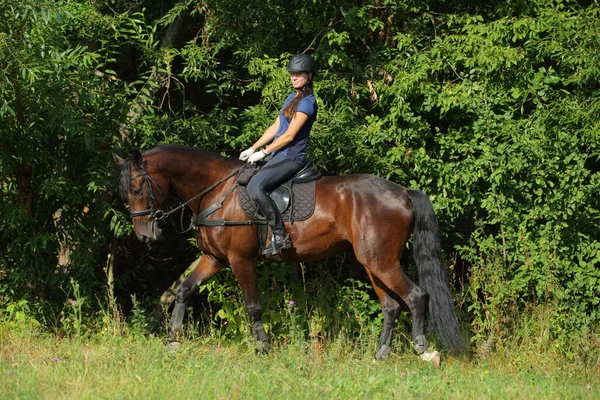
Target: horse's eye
x,y
137,192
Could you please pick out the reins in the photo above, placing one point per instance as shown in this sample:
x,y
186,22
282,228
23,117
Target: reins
x,y
211,187
199,220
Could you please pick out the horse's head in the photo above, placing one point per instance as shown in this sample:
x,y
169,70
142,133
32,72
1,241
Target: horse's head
x,y
145,192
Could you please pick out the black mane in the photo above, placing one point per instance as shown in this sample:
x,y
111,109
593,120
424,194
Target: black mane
x,y
124,180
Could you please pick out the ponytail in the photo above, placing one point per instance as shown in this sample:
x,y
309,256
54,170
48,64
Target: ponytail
x,y
290,110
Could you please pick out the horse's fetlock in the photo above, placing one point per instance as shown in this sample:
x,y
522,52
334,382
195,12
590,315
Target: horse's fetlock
x,y
254,312
174,334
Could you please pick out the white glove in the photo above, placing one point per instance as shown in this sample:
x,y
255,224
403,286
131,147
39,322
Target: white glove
x,y
246,154
256,157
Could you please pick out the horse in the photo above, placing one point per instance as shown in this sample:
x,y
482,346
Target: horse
x,y
363,214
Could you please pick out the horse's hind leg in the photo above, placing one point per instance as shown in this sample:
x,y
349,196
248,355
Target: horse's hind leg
x,y
391,311
394,286
206,268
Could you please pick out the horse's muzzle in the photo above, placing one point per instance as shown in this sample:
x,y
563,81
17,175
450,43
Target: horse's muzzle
x,y
149,233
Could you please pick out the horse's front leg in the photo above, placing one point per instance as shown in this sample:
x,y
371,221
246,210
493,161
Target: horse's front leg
x,y
206,268
245,272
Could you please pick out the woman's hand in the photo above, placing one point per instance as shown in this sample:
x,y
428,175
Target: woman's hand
x,y
246,154
256,157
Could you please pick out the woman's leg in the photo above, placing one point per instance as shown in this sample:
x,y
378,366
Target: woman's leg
x,y
275,172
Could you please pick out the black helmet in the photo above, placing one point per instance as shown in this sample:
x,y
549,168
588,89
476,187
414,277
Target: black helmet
x,y
302,63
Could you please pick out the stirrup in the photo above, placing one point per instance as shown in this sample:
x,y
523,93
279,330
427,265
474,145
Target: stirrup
x,y
278,243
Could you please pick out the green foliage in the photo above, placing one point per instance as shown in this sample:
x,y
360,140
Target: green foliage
x,y
296,308
491,108
71,318
18,316
356,310
141,367
138,323
56,113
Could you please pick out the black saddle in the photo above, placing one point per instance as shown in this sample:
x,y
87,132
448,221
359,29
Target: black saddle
x,y
285,195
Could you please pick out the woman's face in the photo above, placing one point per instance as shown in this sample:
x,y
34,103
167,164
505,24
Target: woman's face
x,y
299,79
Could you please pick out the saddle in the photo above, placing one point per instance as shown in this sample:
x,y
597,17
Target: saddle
x,y
295,199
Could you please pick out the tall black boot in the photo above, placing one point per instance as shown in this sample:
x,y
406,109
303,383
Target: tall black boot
x,y
280,239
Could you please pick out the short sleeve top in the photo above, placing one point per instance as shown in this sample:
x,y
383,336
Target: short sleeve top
x,y
296,150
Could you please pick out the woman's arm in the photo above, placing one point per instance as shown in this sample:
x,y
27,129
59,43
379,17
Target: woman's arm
x,y
286,138
268,135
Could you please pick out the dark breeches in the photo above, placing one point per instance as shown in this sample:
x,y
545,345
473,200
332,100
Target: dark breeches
x,y
275,172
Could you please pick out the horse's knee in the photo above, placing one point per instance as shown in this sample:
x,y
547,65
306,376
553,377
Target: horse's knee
x,y
180,297
391,311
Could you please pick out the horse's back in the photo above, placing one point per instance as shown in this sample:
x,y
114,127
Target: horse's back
x,y
363,202
363,192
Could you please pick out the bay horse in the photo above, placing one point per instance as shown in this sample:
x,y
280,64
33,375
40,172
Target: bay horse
x,y
364,214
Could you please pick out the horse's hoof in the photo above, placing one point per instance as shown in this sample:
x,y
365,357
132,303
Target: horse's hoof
x,y
263,347
384,352
432,357
420,344
173,347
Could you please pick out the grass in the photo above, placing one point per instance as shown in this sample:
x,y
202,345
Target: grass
x,y
41,365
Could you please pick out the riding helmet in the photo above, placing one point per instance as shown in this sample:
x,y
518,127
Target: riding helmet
x,y
302,63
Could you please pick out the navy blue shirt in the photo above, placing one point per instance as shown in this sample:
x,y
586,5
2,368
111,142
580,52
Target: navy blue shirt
x,y
296,150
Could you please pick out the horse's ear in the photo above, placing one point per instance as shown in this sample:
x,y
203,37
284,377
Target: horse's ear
x,y
118,159
136,157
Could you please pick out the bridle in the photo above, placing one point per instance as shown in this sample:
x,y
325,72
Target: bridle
x,y
155,213
202,218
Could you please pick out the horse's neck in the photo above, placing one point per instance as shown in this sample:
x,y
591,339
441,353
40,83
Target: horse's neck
x,y
198,173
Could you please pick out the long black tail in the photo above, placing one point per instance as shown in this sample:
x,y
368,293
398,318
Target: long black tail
x,y
432,276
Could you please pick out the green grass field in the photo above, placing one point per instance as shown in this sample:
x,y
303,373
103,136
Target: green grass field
x,y
39,365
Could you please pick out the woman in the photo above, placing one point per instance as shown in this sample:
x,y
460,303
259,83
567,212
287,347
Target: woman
x,y
286,141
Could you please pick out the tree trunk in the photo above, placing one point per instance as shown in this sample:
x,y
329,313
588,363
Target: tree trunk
x,y
156,82
24,188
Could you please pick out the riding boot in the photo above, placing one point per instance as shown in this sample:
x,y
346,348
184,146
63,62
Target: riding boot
x,y
280,239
